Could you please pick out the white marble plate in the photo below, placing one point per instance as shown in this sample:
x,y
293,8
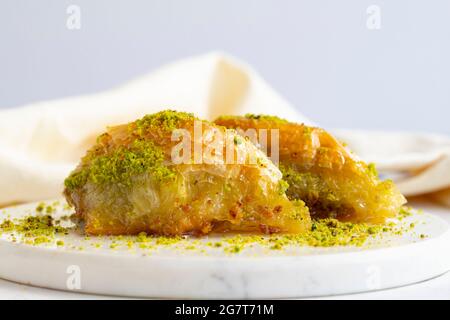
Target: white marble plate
x,y
194,268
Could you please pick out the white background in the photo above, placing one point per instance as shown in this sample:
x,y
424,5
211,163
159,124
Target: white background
x,y
319,54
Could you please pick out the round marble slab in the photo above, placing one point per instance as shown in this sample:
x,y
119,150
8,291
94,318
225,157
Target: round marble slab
x,y
196,268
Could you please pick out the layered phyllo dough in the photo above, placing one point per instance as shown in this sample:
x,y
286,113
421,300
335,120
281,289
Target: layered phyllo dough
x,y
170,173
321,171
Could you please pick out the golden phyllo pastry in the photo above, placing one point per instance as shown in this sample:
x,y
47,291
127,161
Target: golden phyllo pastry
x,y
147,176
331,180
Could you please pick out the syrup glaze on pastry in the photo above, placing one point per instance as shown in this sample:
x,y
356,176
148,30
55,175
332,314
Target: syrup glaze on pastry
x,y
128,183
323,173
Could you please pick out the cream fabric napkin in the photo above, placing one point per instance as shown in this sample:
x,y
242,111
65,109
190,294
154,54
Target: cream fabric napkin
x,y
42,142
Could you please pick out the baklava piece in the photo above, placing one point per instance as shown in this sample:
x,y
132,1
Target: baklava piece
x,y
129,183
330,179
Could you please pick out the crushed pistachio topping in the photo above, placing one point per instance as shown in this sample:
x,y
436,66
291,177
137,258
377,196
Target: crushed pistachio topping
x,y
265,117
372,169
102,166
299,213
308,181
307,132
283,187
168,120
120,165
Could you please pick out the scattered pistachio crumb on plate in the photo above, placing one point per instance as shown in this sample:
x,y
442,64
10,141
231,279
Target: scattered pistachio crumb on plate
x,y
43,228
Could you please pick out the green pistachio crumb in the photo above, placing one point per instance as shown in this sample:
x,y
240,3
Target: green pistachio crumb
x,y
120,165
265,117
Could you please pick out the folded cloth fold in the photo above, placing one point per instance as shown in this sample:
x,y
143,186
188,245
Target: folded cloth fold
x,y
41,143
